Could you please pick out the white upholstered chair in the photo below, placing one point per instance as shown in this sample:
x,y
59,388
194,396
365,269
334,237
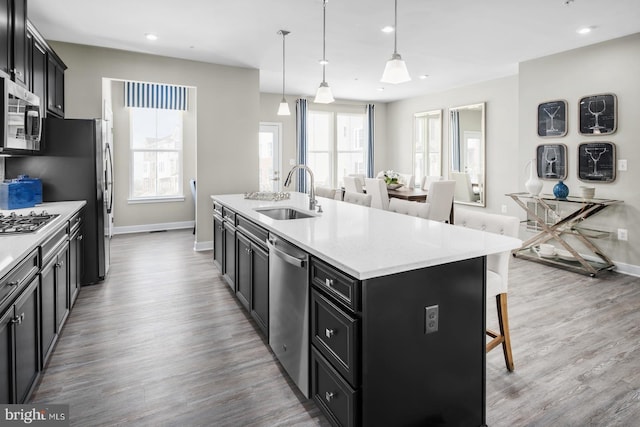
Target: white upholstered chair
x,y
378,191
427,180
409,207
360,178
357,198
352,184
440,200
464,189
407,180
497,272
329,193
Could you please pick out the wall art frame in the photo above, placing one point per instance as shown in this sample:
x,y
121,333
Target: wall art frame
x,y
598,114
597,161
552,119
551,161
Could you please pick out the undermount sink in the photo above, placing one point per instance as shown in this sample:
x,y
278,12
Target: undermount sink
x,y
284,213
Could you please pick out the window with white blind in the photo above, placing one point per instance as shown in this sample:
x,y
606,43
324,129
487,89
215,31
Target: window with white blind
x,y
156,154
337,146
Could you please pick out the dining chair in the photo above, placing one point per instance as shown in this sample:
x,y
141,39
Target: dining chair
x,y
360,177
352,184
427,180
440,200
329,193
357,198
409,207
378,191
407,180
464,189
497,273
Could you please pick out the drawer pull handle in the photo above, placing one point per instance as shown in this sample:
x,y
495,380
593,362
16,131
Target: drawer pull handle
x,y
329,332
18,319
15,283
329,282
329,396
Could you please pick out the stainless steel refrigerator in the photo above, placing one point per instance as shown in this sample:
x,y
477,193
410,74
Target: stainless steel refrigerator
x,y
77,165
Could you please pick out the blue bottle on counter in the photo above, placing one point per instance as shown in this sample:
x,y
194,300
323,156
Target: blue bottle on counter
x,y
36,186
16,195
560,190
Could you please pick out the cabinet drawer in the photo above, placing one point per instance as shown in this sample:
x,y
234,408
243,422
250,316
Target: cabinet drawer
x,y
75,222
229,215
332,394
49,247
256,233
217,209
19,276
336,335
344,288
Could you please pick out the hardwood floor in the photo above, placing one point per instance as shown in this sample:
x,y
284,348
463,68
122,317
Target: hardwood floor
x,y
163,342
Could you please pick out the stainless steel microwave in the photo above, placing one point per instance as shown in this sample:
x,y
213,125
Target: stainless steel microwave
x,y
22,120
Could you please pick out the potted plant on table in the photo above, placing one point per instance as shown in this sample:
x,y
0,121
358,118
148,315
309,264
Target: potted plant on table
x,y
391,179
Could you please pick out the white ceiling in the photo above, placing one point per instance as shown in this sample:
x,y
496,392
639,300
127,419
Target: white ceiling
x,y
455,42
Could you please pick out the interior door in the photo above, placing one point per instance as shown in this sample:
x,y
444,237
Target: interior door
x,y
270,156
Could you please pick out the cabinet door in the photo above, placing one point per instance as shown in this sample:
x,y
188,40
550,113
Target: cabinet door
x,y
6,357
55,87
20,42
60,90
260,287
75,265
47,310
230,255
62,287
27,349
243,262
39,73
218,236
5,36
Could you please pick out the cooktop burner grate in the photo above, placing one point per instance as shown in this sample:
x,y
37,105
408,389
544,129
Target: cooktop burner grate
x,y
14,223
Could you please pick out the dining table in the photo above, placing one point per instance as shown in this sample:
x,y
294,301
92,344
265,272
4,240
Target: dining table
x,y
413,194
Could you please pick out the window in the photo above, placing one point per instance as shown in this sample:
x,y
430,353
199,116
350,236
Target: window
x,y
427,146
336,146
156,154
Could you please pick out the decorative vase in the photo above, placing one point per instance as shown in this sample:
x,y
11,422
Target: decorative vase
x,y
533,184
560,190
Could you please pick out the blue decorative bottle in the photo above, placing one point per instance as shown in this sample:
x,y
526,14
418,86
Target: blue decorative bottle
x,y
560,190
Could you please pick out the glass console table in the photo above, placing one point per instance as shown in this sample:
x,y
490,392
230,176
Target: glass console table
x,y
543,215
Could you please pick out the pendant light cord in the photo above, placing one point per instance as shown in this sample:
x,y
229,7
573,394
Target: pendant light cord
x,y
324,37
283,34
395,29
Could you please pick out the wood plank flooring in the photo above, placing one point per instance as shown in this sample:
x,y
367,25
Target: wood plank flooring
x,y
163,342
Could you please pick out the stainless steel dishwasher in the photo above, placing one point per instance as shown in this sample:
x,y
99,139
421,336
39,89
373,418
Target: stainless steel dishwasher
x,y
289,309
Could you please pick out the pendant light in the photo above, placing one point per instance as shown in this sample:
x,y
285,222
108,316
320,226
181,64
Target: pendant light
x,y
396,70
324,95
283,110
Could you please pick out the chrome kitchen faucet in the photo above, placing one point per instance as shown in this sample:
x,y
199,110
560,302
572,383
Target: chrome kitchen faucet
x,y
312,191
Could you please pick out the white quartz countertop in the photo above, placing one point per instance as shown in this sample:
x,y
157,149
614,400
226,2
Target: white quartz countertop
x,y
14,247
366,242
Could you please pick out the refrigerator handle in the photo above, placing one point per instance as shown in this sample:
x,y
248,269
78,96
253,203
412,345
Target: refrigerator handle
x,y
107,182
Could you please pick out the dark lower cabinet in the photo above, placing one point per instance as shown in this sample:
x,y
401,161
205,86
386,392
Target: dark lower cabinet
x,y
20,347
252,279
243,277
229,267
76,263
218,239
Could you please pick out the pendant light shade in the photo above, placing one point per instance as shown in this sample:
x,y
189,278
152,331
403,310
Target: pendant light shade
x,y
396,70
283,109
324,95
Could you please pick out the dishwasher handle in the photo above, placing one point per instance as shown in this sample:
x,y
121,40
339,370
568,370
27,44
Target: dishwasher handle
x,y
298,262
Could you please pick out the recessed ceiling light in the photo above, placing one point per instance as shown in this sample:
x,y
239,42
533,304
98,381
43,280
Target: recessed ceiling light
x,y
151,36
585,30
380,89
424,76
387,29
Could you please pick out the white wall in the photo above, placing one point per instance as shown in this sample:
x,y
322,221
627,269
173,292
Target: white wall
x,y
501,98
228,102
609,67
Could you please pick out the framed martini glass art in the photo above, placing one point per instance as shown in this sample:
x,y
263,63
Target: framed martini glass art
x,y
552,119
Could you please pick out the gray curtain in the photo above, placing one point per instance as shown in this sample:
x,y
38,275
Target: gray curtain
x,y
370,139
455,137
301,142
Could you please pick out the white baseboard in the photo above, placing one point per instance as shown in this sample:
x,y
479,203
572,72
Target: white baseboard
x,y
630,269
203,246
144,228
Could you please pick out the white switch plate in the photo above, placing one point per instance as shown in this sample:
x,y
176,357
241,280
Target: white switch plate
x,y
623,234
622,165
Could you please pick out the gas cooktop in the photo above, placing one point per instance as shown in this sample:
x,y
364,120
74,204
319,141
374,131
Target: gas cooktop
x,y
29,223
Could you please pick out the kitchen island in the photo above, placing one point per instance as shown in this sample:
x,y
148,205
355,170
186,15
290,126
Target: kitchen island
x,y
378,281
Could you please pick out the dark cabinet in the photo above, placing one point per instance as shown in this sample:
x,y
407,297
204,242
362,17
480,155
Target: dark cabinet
x,y
229,254
38,83
13,36
218,239
243,262
260,287
19,346
76,251
55,85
